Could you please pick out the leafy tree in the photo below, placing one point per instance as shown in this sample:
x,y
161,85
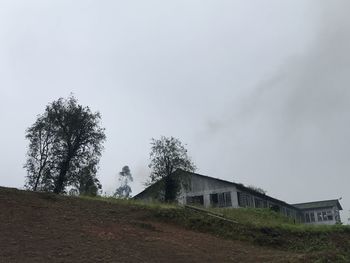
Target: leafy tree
x,y
65,145
124,190
167,155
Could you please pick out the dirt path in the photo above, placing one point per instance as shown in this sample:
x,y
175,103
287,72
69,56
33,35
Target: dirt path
x,y
41,228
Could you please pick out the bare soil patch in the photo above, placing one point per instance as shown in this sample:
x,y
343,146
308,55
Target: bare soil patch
x,y
48,228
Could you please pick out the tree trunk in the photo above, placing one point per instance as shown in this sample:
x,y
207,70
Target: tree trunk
x,y
59,184
37,179
171,189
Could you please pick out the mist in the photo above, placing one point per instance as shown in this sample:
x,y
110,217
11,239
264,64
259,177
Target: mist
x,y
256,90
290,134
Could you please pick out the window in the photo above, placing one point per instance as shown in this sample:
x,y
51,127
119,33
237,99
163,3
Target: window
x,y
284,211
244,200
275,208
329,215
261,203
264,203
324,216
227,198
221,199
307,218
319,216
214,199
312,216
195,200
288,212
258,203
336,216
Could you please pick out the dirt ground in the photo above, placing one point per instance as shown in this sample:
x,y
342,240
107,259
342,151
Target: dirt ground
x,y
46,228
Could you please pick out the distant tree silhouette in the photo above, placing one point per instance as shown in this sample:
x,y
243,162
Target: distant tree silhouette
x,y
65,145
124,190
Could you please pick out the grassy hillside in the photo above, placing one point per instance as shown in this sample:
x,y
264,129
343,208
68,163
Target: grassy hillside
x,y
263,227
39,227
268,228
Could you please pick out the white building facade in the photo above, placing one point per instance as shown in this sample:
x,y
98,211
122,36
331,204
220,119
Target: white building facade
x,y
213,192
321,212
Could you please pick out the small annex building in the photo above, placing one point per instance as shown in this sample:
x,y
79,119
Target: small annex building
x,y
321,212
213,192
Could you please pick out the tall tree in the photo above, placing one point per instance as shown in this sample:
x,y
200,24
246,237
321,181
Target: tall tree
x,y
167,155
74,146
124,190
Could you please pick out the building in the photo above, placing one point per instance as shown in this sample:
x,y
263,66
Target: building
x,y
321,212
207,191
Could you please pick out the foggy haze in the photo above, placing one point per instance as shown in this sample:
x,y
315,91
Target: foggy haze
x,y
257,90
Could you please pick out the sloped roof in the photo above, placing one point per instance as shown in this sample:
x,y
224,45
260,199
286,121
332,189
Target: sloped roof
x,y
243,188
240,187
319,204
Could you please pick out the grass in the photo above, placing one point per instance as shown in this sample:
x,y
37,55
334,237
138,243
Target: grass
x,y
256,217
267,228
269,218
259,226
246,216
132,202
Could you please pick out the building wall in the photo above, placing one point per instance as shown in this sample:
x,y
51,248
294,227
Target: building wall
x,y
202,186
261,202
205,186
315,212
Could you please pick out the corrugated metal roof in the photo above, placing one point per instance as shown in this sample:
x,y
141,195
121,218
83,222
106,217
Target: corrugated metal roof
x,y
319,204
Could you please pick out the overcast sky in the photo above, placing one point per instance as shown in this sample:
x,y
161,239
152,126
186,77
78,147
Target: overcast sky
x,y
258,90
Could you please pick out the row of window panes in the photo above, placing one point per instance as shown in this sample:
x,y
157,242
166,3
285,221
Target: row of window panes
x,y
259,203
224,200
216,200
195,200
221,199
321,216
246,200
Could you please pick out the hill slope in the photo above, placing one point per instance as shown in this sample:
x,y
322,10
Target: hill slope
x,y
39,227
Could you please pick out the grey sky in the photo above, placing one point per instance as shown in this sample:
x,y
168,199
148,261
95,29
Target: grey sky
x,y
256,89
